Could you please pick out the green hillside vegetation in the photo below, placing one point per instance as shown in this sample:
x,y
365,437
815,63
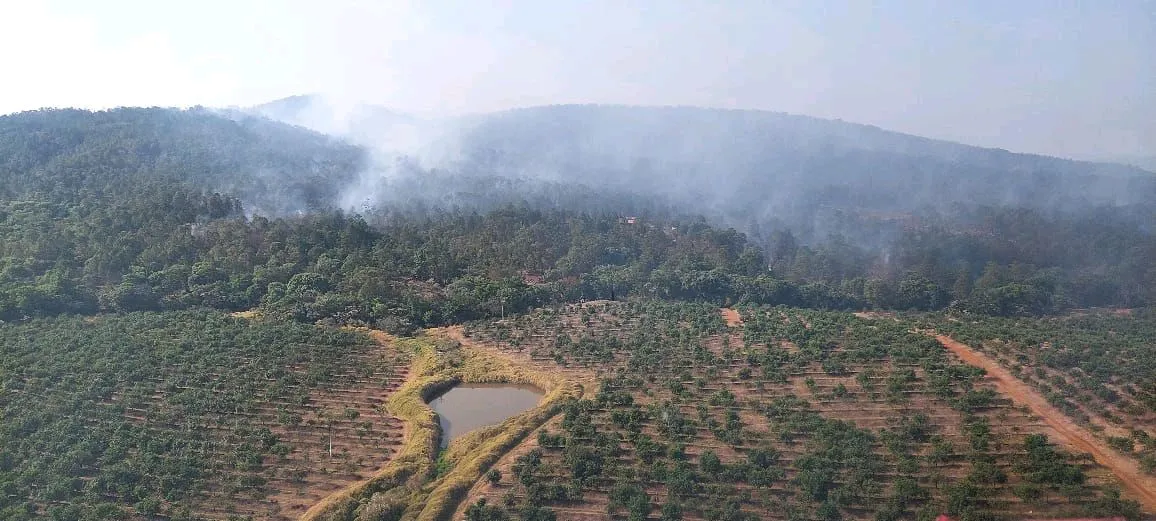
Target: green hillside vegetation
x,y
141,209
76,156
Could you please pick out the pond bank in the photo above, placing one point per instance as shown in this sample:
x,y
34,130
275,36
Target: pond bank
x,y
410,486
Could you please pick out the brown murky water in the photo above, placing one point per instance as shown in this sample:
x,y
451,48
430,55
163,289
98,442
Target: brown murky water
x,y
469,406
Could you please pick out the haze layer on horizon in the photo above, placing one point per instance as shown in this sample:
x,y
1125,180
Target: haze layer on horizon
x,y
1071,80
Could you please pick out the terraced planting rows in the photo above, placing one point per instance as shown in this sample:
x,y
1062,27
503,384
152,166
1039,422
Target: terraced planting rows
x,y
1098,367
192,415
792,415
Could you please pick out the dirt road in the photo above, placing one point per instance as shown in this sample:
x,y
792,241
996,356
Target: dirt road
x,y
1136,484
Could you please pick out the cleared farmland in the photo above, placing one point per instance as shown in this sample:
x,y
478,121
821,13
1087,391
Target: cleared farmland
x,y
791,415
1098,367
194,415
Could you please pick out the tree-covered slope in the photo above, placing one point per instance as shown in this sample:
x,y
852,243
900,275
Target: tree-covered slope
x,y
75,155
897,220
150,209
742,167
754,160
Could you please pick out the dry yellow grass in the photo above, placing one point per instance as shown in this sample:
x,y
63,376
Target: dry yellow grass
x,y
452,488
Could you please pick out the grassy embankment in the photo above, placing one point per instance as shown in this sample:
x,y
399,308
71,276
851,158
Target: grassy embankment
x,y
415,485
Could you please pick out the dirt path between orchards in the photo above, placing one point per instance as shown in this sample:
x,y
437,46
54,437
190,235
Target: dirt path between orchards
x,y
1135,482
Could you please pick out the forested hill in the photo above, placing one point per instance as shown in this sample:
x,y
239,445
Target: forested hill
x,y
160,209
141,209
77,154
851,206
128,392
748,169
729,153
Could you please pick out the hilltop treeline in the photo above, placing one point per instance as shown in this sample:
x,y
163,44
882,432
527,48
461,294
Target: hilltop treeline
x,y
144,254
419,271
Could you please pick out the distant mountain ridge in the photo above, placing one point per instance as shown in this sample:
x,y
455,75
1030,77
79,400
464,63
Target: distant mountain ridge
x,y
1138,161
747,168
755,171
302,109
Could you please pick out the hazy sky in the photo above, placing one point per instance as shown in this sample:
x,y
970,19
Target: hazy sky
x,y
1059,77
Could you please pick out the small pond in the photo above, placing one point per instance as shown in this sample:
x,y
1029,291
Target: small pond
x,y
469,406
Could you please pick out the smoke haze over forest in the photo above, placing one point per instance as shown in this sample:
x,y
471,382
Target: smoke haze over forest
x,y
748,169
899,142
1072,80
447,101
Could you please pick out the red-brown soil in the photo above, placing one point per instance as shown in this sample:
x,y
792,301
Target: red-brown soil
x,y
733,318
1135,483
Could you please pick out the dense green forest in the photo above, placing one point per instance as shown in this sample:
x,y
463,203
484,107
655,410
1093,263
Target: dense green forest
x,y
992,261
103,158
